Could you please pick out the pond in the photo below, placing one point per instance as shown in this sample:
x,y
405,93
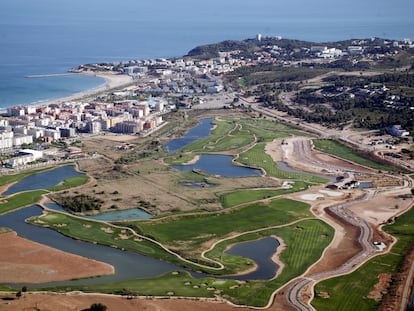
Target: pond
x,y
129,214
43,180
261,252
196,184
219,164
365,184
202,130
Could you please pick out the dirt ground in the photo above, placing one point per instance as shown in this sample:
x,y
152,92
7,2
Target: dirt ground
x,y
153,186
76,302
25,261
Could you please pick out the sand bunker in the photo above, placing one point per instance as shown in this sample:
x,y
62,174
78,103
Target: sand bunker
x,y
311,196
331,193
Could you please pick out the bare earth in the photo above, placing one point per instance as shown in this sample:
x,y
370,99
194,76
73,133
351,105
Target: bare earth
x,y
25,261
76,302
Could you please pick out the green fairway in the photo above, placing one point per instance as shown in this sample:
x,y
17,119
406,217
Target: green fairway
x,y
189,232
337,149
306,239
102,234
244,196
256,157
70,183
20,200
351,292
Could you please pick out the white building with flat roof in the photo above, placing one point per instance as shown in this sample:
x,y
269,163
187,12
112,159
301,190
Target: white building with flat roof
x,y
6,140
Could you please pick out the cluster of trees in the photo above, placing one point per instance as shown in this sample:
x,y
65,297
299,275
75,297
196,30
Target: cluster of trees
x,y
80,203
332,104
273,73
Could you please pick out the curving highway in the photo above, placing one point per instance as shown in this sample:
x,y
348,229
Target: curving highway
x,y
296,291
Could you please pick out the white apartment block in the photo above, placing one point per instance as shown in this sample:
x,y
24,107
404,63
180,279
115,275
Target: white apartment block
x,y
6,140
19,140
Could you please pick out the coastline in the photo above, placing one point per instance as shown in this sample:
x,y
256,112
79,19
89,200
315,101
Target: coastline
x,y
111,81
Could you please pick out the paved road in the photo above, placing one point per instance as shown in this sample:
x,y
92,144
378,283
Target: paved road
x,y
295,292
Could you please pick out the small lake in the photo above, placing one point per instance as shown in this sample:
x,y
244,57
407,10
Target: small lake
x,y
261,252
202,130
196,184
43,180
365,184
129,214
218,164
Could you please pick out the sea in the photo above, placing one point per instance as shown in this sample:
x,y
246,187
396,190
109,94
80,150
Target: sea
x,y
44,37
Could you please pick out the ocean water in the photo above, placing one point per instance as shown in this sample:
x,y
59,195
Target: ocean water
x,y
49,36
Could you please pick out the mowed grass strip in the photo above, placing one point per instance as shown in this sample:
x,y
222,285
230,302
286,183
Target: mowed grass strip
x,y
351,292
20,200
306,241
70,183
257,157
98,232
177,283
337,149
222,129
8,179
244,196
197,229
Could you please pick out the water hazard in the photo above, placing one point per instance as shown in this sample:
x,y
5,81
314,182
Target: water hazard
x,y
43,180
198,132
218,164
261,252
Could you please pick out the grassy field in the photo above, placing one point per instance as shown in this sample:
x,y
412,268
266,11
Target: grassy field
x,y
337,149
256,157
101,233
351,292
188,232
244,196
185,233
70,183
20,200
307,238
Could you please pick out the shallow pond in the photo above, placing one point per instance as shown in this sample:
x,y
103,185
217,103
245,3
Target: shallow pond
x,y
202,130
196,184
261,252
218,164
365,184
43,180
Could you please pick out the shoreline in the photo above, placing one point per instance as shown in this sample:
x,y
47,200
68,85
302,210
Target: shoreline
x,y
111,81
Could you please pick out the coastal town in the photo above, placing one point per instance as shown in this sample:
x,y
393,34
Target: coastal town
x,y
322,187
159,86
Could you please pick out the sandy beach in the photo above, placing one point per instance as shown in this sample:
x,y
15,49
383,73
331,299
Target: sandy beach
x,y
112,81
